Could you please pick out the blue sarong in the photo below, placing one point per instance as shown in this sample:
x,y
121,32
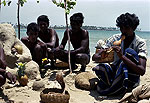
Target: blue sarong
x,y
115,81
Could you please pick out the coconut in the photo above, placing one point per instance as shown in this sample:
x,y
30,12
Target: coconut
x,y
18,48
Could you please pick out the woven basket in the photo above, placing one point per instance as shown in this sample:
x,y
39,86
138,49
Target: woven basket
x,y
54,95
108,59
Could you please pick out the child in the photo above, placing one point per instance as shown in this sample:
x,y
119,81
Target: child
x,y
36,47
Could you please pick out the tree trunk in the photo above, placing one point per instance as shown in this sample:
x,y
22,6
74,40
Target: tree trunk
x,y
18,19
0,5
68,37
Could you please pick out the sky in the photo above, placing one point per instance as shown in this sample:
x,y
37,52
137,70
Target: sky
x,y
96,12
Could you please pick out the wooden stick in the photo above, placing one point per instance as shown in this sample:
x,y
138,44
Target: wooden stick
x,y
65,3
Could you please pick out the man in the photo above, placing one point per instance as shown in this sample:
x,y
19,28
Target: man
x,y
129,59
36,47
3,73
79,39
48,36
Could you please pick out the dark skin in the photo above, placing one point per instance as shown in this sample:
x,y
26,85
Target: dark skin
x,y
3,73
31,40
78,37
36,47
129,34
47,35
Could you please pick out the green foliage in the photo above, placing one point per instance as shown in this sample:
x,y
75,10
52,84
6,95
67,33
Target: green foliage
x,y
8,2
69,5
22,2
21,68
4,2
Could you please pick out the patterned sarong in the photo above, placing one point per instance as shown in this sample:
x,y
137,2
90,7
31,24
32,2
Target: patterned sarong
x,y
115,81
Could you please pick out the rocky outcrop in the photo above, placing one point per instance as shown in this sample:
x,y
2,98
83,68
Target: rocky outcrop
x,y
7,41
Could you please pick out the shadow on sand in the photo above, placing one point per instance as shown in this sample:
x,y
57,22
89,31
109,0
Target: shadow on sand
x,y
97,97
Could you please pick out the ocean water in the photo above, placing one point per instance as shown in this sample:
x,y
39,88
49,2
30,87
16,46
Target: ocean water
x,y
95,35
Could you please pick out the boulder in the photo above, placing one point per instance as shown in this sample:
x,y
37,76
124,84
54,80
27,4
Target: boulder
x,y
144,101
38,85
32,70
8,40
86,81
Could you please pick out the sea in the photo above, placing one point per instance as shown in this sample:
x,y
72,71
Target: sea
x,y
95,35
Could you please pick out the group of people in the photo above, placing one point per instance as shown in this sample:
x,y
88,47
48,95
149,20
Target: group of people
x,y
47,46
114,78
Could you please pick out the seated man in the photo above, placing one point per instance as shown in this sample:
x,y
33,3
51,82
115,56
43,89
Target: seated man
x,y
129,59
80,41
3,73
48,36
36,47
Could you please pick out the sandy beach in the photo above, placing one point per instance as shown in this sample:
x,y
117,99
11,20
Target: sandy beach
x,y
18,94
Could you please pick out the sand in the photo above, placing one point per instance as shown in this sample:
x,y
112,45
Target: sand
x,y
19,94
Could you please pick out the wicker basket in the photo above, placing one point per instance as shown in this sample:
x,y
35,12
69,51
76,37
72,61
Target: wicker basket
x,y
54,95
109,58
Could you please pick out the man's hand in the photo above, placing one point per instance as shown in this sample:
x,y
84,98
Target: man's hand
x,y
117,49
11,77
100,54
61,47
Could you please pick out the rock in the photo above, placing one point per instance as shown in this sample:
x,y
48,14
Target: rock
x,y
7,40
20,102
8,86
38,78
38,85
32,70
86,80
144,101
12,71
26,55
53,84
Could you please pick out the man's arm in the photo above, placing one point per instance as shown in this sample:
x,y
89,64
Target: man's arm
x,y
25,40
2,59
8,75
52,40
84,44
137,68
64,41
97,56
